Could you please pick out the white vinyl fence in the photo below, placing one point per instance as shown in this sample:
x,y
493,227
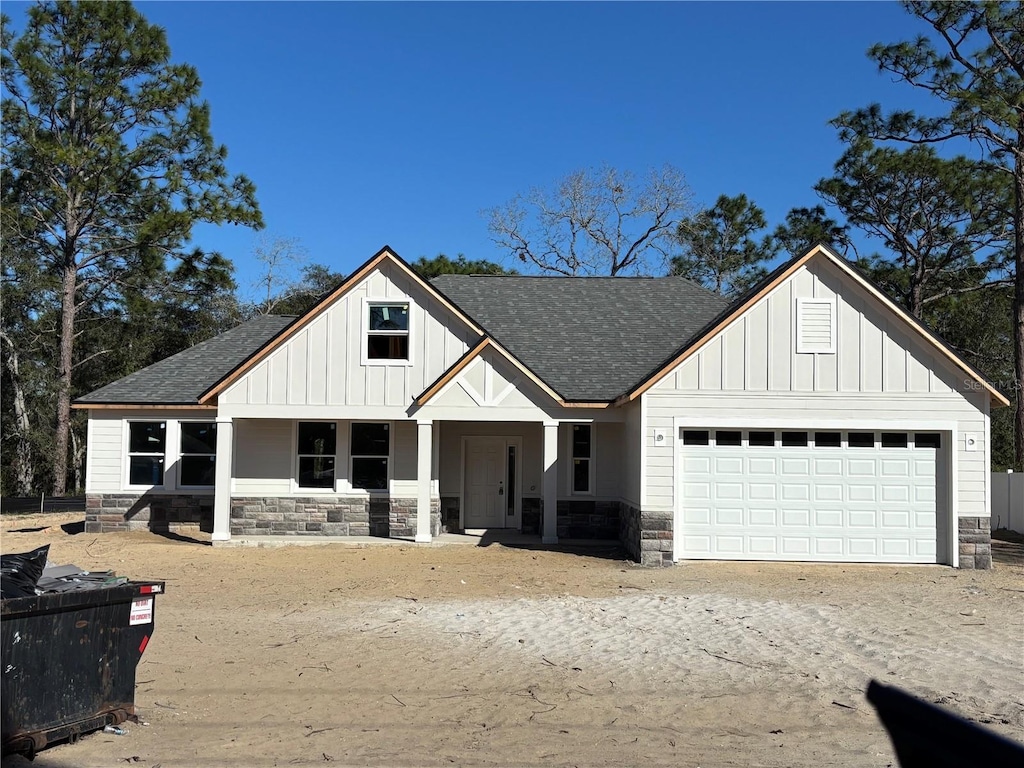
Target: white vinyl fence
x,y
1008,501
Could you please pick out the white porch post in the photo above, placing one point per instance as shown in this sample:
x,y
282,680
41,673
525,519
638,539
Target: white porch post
x,y
424,450
550,534
222,480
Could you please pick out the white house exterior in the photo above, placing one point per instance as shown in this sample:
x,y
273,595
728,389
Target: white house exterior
x,y
810,420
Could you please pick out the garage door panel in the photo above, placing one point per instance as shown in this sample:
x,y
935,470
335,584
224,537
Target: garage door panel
x,y
808,502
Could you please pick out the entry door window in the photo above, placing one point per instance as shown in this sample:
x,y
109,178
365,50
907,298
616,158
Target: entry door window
x,y
317,450
582,457
371,447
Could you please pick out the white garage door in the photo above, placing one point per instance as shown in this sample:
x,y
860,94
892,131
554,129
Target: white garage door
x,y
808,496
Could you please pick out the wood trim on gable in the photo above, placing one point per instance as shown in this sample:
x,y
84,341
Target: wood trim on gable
x,y
784,274
476,351
384,254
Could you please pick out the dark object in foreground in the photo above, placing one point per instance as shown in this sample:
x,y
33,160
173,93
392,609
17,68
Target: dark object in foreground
x,y
69,661
19,573
926,736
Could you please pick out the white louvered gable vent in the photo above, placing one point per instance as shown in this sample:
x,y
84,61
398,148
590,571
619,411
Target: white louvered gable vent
x,y
815,326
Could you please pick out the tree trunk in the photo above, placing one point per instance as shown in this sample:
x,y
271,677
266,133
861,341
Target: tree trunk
x,y
21,456
1018,307
64,363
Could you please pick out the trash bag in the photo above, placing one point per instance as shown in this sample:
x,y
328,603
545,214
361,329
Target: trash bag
x,y
19,574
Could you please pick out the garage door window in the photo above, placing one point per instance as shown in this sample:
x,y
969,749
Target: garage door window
x,y
828,439
728,437
695,437
762,439
862,440
927,440
794,439
894,439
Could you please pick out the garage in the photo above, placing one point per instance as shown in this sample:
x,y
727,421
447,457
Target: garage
x,y
819,496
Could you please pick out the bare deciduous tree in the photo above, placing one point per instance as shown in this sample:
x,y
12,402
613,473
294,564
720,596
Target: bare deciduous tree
x,y
594,222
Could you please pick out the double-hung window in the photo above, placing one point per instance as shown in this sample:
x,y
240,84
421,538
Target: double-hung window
x,y
371,447
197,462
317,448
582,457
387,335
147,445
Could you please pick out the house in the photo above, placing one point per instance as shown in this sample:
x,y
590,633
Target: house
x,y
812,419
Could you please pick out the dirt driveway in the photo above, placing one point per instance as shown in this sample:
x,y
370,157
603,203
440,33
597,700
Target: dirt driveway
x,y
493,656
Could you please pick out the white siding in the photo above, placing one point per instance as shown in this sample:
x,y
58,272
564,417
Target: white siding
x,y
322,365
263,457
106,467
881,373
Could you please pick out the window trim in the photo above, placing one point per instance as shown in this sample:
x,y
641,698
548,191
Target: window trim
x,y
128,453
296,487
390,458
802,346
181,454
570,464
364,331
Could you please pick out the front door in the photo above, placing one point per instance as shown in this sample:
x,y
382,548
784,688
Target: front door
x,y
489,483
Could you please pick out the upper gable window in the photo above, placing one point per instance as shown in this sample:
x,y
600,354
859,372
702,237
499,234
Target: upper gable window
x,y
815,326
387,335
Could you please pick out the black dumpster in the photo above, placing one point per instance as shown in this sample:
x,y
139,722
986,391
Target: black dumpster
x,y
69,661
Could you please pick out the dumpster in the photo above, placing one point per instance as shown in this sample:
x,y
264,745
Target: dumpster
x,y
69,661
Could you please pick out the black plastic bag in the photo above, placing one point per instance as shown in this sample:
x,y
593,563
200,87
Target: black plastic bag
x,y
19,574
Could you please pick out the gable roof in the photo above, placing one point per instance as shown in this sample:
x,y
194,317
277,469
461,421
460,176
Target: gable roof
x,y
588,338
780,274
384,254
182,378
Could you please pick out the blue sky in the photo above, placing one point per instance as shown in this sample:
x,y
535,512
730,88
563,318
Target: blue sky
x,y
371,123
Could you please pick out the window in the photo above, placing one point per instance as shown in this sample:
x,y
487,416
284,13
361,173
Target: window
x,y
695,437
582,444
927,440
388,331
827,439
861,440
198,461
815,326
728,437
371,446
794,439
147,442
762,438
317,447
894,439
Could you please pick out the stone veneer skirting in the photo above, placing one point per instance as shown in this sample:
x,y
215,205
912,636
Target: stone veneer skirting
x,y
109,512
975,539
647,536
329,516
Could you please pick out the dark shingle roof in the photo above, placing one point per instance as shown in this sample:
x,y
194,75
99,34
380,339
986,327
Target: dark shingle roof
x,y
183,377
590,339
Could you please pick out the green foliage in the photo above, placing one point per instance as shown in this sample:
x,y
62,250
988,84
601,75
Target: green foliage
x,y
721,249
945,222
806,227
428,269
108,163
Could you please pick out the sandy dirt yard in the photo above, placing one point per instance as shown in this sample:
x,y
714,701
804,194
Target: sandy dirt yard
x,y
501,656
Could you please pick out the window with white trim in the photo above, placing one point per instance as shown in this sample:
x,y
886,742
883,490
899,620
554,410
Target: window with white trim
x,y
317,449
387,334
147,445
197,462
371,450
582,458
815,326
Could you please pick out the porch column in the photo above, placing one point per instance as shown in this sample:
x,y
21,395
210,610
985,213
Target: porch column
x,y
550,531
222,480
424,450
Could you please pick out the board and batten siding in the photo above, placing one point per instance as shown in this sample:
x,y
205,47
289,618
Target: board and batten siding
x,y
322,364
106,460
881,373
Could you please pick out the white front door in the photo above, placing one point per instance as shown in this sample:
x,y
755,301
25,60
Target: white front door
x,y
487,498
